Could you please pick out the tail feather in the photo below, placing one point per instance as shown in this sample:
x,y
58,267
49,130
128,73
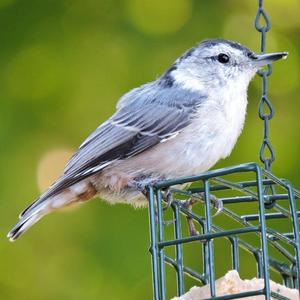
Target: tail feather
x,y
53,190
45,204
31,215
23,225
29,207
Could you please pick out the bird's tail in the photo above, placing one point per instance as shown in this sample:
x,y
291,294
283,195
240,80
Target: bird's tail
x,y
45,204
38,209
24,224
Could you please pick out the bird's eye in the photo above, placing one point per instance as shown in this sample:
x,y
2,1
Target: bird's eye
x,y
223,58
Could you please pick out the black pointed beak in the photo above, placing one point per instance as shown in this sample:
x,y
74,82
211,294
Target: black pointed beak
x,y
260,60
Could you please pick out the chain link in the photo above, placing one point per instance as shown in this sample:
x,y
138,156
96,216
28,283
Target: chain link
x,y
265,110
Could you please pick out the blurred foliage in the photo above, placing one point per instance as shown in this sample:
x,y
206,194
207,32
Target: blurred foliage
x,y
64,64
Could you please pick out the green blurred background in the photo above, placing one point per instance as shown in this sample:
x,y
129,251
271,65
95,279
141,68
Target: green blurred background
x,y
63,66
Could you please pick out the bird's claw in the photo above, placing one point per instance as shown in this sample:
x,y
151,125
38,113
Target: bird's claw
x,y
167,196
217,204
140,185
189,203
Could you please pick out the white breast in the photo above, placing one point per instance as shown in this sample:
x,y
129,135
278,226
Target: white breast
x,y
218,126
210,137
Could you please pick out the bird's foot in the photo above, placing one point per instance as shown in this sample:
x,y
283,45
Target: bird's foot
x,y
167,196
140,185
216,203
188,204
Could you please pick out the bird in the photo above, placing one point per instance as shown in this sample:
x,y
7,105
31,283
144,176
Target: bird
x,y
180,124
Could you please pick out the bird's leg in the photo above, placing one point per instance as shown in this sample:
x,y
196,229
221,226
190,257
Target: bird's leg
x,y
140,185
188,204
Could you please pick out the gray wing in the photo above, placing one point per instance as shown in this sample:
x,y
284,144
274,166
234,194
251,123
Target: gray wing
x,y
150,117
129,132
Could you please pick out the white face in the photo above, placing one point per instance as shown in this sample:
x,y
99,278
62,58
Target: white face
x,y
214,65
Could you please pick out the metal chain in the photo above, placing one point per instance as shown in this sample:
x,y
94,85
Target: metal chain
x,y
266,110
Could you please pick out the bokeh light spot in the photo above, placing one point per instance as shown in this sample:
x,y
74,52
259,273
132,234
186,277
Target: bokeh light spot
x,y
51,166
158,17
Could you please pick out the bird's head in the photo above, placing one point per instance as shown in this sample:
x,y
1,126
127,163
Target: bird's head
x,y
217,63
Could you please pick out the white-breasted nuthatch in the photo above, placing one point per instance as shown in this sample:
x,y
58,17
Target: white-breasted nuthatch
x,y
180,124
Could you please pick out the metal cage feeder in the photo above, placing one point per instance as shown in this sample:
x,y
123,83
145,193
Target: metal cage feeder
x,y
248,223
